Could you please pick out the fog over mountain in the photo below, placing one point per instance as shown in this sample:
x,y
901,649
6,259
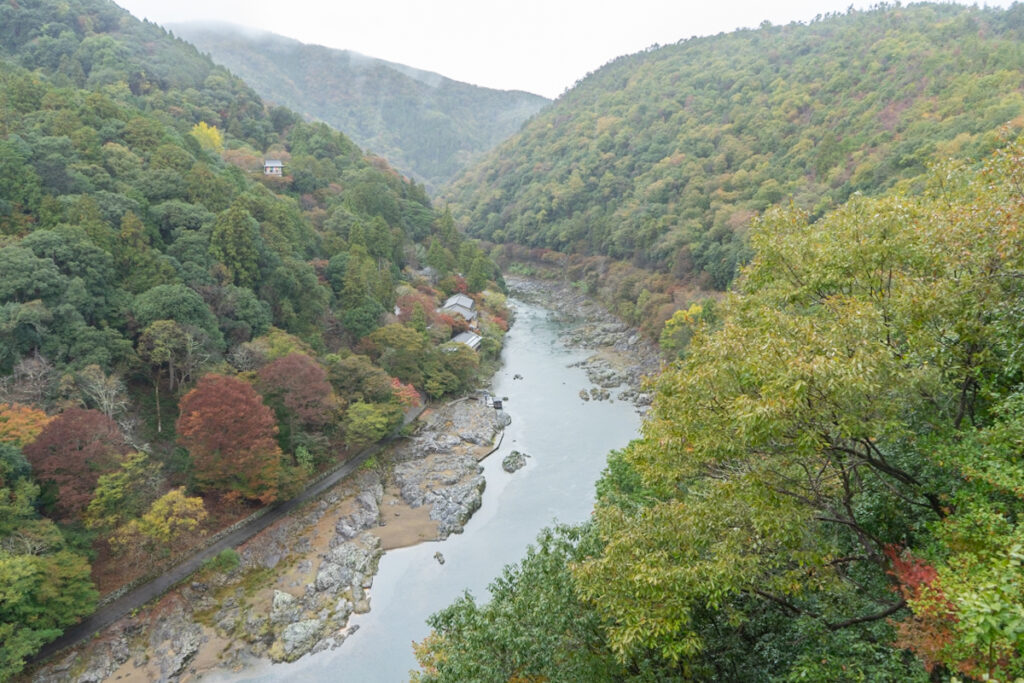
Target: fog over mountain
x,y
428,126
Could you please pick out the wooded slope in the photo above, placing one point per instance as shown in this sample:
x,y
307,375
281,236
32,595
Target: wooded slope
x,y
663,157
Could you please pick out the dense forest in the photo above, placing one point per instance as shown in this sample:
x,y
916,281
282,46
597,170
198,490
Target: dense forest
x,y
423,123
662,158
829,486
183,338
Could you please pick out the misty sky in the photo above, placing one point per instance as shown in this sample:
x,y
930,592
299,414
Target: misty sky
x,y
541,46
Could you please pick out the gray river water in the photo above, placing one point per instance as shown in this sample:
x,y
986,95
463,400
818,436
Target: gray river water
x,y
567,439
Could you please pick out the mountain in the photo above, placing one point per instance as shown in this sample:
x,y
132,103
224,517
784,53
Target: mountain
x,y
423,123
149,267
663,157
828,485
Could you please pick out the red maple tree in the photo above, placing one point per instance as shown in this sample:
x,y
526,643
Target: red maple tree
x,y
297,386
72,451
229,433
929,630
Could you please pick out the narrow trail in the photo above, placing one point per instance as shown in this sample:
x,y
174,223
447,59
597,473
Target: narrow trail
x,y
136,598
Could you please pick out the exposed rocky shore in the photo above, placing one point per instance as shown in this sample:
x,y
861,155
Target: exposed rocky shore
x,y
298,582
621,359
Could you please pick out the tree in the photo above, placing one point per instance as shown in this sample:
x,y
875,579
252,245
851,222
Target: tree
x,y
235,244
534,626
401,350
859,394
21,424
229,433
166,343
296,387
208,136
173,522
71,453
367,423
139,265
180,304
356,378
44,586
124,494
105,392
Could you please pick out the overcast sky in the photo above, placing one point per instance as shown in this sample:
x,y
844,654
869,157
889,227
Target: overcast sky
x,y
541,46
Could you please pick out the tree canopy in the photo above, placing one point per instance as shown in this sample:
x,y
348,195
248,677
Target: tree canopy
x,y
828,486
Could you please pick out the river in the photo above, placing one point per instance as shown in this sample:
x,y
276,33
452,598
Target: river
x,y
567,440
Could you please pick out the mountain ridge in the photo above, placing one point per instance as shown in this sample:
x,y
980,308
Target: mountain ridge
x,y
426,124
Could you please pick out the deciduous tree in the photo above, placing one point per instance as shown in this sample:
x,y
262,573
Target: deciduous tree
x,y
229,433
296,387
21,424
72,452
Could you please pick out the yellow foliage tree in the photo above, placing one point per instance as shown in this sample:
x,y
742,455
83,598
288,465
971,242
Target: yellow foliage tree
x,y
209,137
170,523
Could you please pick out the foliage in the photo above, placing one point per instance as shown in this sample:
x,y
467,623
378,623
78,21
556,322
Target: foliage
x,y
124,494
534,627
142,248
663,157
830,471
70,454
296,388
405,394
21,424
44,585
224,561
208,136
229,434
170,523
367,423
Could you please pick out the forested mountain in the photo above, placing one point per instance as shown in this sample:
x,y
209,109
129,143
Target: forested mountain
x,y
181,337
829,485
423,123
663,157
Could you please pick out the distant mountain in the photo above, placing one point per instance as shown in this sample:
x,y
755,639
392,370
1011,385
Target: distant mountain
x,y
425,124
664,156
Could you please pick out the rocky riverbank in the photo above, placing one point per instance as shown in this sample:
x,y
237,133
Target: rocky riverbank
x,y
297,583
622,359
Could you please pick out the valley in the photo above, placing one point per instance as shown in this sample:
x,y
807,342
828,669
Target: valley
x,y
752,302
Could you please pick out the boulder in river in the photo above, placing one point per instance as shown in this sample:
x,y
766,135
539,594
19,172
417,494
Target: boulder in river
x,y
513,461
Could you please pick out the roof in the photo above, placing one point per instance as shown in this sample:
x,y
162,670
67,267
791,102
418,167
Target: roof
x,y
469,339
466,313
273,162
460,300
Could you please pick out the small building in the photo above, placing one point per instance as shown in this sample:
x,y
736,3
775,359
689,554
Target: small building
x,y
462,305
273,167
460,300
470,339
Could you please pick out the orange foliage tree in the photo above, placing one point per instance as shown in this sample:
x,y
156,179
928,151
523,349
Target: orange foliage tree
x,y
229,433
21,424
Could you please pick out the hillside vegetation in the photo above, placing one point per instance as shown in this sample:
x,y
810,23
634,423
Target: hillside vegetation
x,y
829,485
424,124
663,157
182,338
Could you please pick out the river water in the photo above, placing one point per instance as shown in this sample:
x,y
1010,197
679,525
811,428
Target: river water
x,y
567,439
